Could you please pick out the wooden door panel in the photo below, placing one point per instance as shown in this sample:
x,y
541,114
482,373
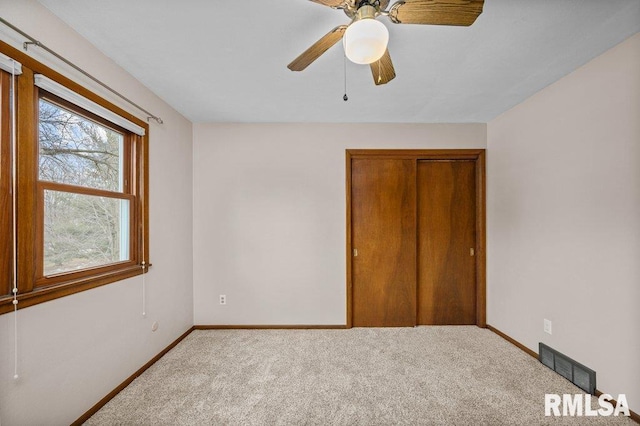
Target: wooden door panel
x,y
446,234
383,209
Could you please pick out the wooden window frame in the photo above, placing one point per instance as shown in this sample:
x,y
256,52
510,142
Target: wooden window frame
x,y
6,202
128,193
33,286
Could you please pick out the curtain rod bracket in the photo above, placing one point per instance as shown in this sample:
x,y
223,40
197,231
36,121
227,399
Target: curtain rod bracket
x,y
156,119
26,44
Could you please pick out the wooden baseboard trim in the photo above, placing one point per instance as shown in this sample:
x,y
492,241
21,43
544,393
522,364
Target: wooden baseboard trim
x,y
270,327
513,341
83,418
633,415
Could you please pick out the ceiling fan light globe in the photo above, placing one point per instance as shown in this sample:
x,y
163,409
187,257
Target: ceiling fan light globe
x,y
365,41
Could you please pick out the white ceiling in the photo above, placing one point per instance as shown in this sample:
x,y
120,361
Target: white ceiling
x,y
225,61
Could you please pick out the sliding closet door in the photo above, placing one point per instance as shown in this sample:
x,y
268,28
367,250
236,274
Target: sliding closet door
x,y
383,207
446,242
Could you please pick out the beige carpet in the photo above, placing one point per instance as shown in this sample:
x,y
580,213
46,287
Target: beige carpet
x,y
362,376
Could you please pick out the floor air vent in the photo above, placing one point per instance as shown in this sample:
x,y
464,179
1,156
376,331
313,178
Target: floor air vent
x,y
581,376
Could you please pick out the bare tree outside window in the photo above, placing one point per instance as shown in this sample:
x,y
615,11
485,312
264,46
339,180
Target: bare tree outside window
x,y
77,151
80,230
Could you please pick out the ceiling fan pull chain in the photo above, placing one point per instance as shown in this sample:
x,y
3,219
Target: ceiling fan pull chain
x,y
345,97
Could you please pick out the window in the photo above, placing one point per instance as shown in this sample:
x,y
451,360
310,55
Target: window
x,y
84,196
81,189
6,206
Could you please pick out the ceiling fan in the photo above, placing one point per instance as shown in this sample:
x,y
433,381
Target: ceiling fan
x,y
365,38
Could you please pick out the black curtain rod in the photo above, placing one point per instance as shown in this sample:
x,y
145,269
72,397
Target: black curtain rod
x,y
33,41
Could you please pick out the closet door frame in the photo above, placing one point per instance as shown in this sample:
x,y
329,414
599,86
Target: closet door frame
x,y
475,155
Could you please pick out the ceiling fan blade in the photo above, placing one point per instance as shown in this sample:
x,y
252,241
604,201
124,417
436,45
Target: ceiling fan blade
x,y
382,70
330,3
317,49
436,12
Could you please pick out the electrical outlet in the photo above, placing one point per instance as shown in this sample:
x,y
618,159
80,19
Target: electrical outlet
x,y
547,326
223,299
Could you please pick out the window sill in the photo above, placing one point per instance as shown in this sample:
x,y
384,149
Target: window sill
x,y
56,291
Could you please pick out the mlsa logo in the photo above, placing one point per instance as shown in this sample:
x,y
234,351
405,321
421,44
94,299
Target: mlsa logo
x,y
580,405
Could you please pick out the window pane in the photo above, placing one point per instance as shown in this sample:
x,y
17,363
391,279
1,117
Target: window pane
x,y
83,231
78,151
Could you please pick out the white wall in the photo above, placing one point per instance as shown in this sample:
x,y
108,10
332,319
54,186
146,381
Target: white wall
x,y
564,218
270,215
76,349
